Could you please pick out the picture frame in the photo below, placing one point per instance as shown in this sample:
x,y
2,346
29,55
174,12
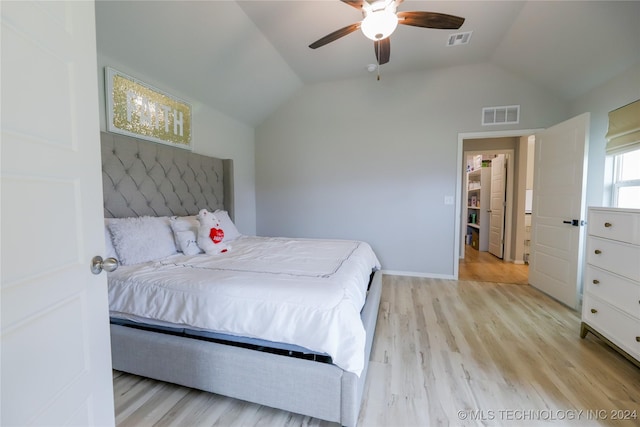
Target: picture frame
x,y
140,110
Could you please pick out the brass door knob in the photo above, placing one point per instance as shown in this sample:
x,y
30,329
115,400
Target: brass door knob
x,y
594,311
596,281
607,224
597,251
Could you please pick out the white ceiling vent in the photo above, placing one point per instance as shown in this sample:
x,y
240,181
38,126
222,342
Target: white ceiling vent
x,y
458,39
509,114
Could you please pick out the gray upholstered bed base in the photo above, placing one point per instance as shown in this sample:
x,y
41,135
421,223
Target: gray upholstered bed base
x,y
144,178
306,387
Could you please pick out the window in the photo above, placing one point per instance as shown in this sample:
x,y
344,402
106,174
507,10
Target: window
x,y
626,180
623,147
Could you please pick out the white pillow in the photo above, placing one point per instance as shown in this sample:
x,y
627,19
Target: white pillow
x,y
230,230
142,239
110,251
185,230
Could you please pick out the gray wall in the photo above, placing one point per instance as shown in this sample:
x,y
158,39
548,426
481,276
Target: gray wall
x,y
373,160
607,97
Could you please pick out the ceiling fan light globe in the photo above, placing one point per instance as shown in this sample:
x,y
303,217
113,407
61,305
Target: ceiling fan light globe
x,y
379,24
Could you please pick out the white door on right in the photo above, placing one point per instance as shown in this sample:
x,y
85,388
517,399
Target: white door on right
x,y
558,213
497,205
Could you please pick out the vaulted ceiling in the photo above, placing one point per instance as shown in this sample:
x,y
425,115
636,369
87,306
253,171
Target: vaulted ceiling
x,y
244,58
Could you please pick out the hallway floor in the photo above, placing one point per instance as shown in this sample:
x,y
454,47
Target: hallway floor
x,y
485,267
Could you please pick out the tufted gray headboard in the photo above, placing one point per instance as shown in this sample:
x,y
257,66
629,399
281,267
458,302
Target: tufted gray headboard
x,y
146,178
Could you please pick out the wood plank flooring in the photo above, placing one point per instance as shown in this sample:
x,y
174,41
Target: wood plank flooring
x,y
459,353
485,267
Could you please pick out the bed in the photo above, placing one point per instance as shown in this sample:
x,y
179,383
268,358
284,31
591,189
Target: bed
x,y
307,355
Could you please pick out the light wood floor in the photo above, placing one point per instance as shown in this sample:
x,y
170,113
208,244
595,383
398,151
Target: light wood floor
x,y
494,354
485,267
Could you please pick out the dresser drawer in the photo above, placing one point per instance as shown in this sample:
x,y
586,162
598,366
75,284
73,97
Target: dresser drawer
x,y
617,225
613,289
622,330
621,258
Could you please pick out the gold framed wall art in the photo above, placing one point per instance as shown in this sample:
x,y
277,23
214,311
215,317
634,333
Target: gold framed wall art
x,y
137,109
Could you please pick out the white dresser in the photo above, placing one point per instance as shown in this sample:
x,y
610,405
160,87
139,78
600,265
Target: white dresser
x,y
611,291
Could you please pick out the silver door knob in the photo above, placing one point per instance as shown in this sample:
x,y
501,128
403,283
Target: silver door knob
x,y
98,264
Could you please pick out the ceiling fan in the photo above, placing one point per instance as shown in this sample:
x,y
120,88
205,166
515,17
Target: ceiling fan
x,y
380,19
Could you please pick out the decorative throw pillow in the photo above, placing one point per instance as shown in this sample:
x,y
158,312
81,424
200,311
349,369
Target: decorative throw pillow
x,y
189,242
142,239
185,230
230,231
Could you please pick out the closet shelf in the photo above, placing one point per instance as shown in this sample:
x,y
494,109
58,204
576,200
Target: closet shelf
x,y
478,196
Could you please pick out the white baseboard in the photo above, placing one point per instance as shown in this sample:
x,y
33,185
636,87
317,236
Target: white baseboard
x,y
418,274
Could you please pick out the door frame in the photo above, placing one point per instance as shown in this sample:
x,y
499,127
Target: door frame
x,y
459,179
508,209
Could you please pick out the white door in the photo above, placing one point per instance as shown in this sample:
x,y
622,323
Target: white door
x,y
557,233
56,359
497,205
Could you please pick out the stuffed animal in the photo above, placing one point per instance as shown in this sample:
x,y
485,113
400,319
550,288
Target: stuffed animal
x,y
210,234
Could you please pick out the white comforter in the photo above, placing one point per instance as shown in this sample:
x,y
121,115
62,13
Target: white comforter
x,y
297,291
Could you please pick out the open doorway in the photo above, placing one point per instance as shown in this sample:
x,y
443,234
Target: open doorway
x,y
495,222
489,202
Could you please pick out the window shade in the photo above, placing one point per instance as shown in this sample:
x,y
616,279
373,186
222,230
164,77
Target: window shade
x,y
624,129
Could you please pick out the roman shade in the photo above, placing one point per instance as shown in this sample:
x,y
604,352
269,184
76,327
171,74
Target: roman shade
x,y
624,129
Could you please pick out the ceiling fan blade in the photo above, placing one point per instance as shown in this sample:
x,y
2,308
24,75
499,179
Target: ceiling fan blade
x,y
358,4
430,20
335,35
383,50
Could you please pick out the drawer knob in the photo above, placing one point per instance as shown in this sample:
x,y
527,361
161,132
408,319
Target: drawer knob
x,y
597,251
638,339
607,224
594,311
596,281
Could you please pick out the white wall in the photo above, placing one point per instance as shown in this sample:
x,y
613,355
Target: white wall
x,y
613,94
213,134
373,160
